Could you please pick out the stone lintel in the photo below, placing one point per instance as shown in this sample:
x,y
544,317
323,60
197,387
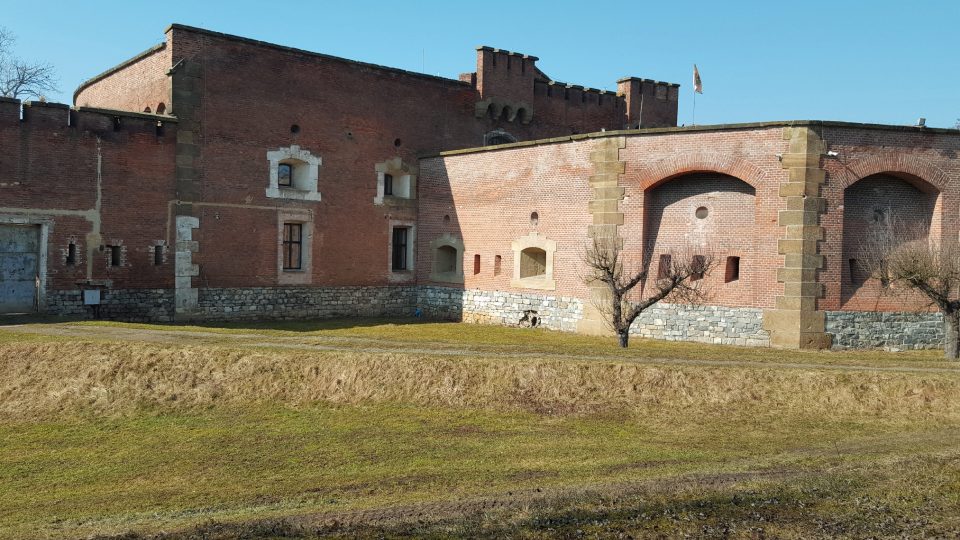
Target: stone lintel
x,y
796,274
608,218
802,260
609,167
790,245
803,288
604,180
805,232
799,189
807,204
796,303
604,205
798,217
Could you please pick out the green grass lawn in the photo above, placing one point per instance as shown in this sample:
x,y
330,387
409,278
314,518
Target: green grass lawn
x,y
153,437
156,471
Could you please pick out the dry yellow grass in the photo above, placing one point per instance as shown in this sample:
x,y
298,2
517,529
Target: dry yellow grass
x,y
54,378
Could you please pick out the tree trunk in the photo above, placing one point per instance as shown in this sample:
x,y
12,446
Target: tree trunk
x,y
624,337
951,335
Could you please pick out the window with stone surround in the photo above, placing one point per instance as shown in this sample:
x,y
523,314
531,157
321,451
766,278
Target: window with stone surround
x,y
292,246
533,262
294,174
401,250
396,182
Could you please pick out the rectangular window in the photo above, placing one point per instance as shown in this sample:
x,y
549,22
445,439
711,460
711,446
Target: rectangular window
x,y
71,254
388,184
114,255
663,271
732,272
698,267
285,174
496,265
157,255
476,264
292,246
399,248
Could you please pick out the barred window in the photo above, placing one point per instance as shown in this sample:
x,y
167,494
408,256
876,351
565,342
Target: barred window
x,y
399,248
292,246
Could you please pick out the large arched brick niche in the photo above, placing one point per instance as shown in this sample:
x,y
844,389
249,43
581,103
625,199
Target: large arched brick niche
x,y
910,190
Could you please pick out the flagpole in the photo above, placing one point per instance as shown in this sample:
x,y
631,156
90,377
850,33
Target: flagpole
x,y
694,106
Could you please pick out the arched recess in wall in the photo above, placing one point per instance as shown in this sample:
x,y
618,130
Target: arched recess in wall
x,y
446,265
498,136
533,262
909,204
705,214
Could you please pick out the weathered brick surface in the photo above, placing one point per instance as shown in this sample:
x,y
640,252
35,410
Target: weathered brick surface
x,y
141,83
50,168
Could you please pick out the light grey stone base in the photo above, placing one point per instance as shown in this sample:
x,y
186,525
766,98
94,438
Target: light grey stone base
x,y
874,330
286,303
502,308
136,305
707,324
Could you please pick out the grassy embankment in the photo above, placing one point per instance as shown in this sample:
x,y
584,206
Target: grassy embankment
x,y
107,435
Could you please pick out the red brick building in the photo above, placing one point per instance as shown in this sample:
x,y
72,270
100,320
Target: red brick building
x,y
218,177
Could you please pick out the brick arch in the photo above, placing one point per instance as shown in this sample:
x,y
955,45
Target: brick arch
x,y
913,166
669,168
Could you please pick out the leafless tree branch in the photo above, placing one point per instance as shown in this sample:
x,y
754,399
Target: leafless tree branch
x,y
905,256
679,278
21,79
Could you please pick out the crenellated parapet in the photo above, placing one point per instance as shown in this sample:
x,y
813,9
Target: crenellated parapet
x,y
648,103
108,124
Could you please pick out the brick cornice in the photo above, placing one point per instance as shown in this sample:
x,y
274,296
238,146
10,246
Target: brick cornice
x,y
669,168
893,164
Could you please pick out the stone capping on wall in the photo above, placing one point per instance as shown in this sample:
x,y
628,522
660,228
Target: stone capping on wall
x,y
543,282
695,129
447,277
304,189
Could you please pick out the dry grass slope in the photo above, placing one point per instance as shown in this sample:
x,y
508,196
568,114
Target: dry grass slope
x,y
44,379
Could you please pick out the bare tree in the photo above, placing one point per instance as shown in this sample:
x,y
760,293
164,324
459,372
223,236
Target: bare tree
x,y
679,277
21,79
905,258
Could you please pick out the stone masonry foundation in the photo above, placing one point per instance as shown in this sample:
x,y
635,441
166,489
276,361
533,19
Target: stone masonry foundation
x,y
875,330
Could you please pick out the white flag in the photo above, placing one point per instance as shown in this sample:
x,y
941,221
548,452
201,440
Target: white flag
x,y
697,85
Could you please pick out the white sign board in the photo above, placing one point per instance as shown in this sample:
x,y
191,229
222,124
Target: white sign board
x,y
91,297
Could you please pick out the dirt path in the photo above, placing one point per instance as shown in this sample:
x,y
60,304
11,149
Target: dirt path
x,y
375,346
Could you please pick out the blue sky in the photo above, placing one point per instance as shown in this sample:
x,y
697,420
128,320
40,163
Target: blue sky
x,y
878,61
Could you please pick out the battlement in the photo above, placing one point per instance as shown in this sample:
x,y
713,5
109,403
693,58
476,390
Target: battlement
x,y
649,103
576,95
505,76
39,115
